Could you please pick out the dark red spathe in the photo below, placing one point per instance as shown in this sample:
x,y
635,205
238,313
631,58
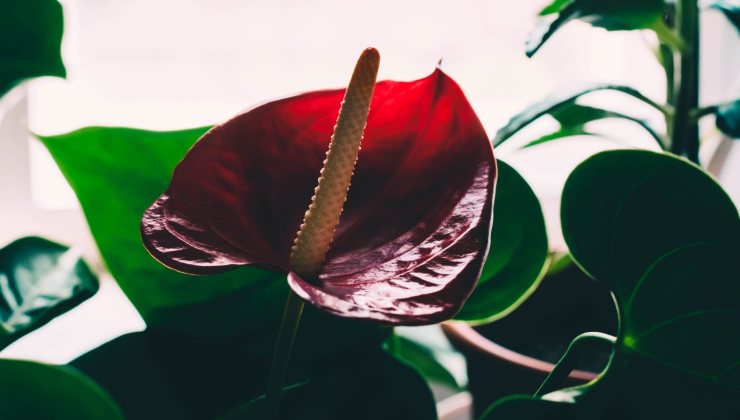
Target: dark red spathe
x,y
415,229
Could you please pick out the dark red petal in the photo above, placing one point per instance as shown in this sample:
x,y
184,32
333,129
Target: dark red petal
x,y
414,232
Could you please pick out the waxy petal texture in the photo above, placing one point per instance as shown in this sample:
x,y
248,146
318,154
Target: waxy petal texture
x,y
415,229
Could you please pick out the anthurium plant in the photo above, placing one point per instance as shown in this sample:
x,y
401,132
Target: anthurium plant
x,y
274,255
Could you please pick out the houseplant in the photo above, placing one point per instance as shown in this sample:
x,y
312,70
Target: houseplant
x,y
676,26
209,339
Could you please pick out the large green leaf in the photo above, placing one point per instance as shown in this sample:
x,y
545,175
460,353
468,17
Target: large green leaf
x,y
39,280
607,14
562,106
665,237
35,391
728,118
684,206
117,173
164,375
30,41
519,250
730,8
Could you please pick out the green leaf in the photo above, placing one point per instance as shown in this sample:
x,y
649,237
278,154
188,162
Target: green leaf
x,y
665,237
35,391
155,374
428,350
728,118
30,41
687,206
39,280
633,387
704,305
573,119
116,174
558,103
519,251
730,8
554,7
607,14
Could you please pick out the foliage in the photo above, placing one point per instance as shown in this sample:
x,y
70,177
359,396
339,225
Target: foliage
x,y
519,254
30,41
39,280
620,212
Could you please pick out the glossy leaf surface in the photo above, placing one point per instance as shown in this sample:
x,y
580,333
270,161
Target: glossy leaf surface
x,y
519,251
36,391
665,237
728,118
39,280
607,14
562,106
30,41
415,228
684,197
160,375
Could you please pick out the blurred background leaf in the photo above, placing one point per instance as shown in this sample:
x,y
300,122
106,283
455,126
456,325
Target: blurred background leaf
x,y
30,41
730,8
728,118
559,105
608,14
39,280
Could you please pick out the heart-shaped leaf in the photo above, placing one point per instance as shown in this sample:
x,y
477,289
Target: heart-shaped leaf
x,y
688,206
562,106
519,251
607,14
36,391
665,237
30,41
39,280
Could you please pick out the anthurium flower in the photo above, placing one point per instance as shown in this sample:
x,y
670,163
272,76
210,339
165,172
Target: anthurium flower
x,y
415,228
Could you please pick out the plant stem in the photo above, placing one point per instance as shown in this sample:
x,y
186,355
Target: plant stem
x,y
685,132
566,364
281,354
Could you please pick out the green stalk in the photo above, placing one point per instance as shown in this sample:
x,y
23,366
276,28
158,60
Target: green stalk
x,y
281,354
566,364
685,132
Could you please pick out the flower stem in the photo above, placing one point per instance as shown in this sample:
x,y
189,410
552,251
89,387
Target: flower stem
x,y
281,354
317,231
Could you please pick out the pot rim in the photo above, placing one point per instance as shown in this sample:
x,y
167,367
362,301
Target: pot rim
x,y
463,333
